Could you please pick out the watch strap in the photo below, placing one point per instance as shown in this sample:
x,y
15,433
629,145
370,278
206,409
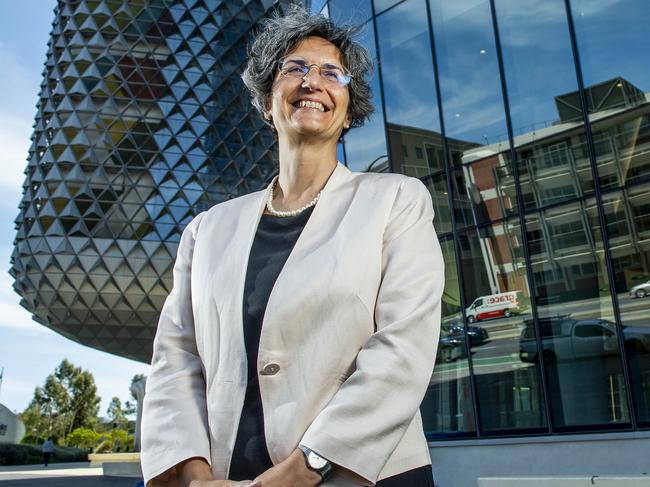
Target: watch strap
x,y
324,471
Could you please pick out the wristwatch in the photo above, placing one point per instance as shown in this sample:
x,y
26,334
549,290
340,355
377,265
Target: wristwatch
x,y
316,463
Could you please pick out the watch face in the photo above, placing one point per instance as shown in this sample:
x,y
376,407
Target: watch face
x,y
316,462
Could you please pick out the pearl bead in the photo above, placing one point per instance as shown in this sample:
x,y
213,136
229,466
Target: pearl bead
x,y
274,212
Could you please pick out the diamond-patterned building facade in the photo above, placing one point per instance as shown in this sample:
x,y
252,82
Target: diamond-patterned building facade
x,y
142,122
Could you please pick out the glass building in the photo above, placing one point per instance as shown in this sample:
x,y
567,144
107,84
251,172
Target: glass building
x,y
527,120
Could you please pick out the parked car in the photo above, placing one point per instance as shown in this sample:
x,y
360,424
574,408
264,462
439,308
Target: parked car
x,y
493,306
477,334
452,339
451,347
565,338
640,290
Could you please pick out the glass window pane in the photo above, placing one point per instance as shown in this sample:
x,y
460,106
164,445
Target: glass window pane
x,y
612,43
381,5
545,106
315,6
350,12
489,182
498,307
365,147
437,186
469,74
473,109
628,228
613,50
579,338
447,407
409,89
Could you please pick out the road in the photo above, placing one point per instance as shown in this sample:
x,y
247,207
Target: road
x,y
501,352
60,475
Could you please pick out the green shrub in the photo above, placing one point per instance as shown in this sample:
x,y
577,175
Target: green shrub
x,y
31,454
104,447
121,441
83,438
32,440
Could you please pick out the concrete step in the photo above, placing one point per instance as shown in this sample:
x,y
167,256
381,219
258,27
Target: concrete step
x,y
122,469
596,480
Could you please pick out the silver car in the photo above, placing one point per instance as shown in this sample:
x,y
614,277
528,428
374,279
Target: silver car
x,y
640,290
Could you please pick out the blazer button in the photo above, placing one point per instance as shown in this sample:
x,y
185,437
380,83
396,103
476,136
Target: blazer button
x,y
270,369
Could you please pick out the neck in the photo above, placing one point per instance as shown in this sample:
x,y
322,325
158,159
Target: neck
x,y
304,170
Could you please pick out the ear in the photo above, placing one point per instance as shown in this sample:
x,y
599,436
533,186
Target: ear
x,y
347,122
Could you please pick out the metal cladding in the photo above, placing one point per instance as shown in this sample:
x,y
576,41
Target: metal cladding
x,y
142,122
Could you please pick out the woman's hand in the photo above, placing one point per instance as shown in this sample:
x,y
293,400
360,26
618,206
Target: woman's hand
x,y
224,483
195,472
293,472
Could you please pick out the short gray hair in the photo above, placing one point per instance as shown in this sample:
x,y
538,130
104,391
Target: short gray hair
x,y
282,33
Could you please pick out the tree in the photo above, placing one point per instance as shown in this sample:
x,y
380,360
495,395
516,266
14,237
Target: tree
x,y
68,400
117,414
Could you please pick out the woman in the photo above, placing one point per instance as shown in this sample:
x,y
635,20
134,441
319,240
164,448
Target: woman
x,y
343,271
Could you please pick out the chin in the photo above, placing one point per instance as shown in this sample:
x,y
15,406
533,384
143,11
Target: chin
x,y
310,129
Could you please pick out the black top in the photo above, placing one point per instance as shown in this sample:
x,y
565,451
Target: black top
x,y
274,241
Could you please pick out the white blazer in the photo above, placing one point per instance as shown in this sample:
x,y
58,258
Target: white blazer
x,y
348,341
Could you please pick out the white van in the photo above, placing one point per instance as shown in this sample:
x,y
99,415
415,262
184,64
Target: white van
x,y
493,306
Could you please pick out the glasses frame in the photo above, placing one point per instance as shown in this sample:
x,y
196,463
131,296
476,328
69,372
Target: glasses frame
x,y
306,68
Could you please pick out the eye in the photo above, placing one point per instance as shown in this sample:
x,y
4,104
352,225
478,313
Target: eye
x,y
333,74
295,69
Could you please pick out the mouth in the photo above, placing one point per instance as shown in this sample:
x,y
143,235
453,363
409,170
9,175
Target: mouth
x,y
310,105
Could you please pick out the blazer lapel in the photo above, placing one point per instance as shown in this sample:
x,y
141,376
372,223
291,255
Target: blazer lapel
x,y
237,254
317,229
312,232
244,222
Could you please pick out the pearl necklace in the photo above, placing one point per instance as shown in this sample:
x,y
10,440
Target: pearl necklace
x,y
274,212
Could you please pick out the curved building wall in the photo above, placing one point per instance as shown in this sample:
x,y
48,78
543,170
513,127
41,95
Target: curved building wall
x,y
142,122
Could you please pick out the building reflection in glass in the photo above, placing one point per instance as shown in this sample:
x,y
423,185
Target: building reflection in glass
x,y
531,317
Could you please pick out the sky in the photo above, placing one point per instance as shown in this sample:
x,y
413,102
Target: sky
x,y
29,351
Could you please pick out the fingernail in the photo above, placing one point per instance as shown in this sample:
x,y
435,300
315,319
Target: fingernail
x,y
257,483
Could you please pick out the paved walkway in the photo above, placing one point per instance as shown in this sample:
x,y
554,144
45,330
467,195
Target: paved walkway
x,y
60,475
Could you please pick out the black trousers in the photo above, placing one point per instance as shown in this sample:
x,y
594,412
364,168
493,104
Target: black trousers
x,y
418,477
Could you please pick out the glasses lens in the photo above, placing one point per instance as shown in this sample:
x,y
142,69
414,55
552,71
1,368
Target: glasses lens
x,y
329,72
294,69
334,74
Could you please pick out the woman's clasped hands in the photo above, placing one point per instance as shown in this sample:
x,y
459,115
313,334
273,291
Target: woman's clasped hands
x,y
292,472
225,483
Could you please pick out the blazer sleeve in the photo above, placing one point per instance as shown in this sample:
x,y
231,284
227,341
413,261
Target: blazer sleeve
x,y
367,417
174,421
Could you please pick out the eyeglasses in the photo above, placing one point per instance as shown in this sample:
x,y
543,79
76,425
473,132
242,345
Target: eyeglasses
x,y
331,74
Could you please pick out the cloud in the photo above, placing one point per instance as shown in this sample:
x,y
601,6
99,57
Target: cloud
x,y
542,25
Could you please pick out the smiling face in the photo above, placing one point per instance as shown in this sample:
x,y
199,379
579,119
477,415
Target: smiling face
x,y
310,107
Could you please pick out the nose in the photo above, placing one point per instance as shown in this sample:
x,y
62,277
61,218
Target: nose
x,y
312,79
